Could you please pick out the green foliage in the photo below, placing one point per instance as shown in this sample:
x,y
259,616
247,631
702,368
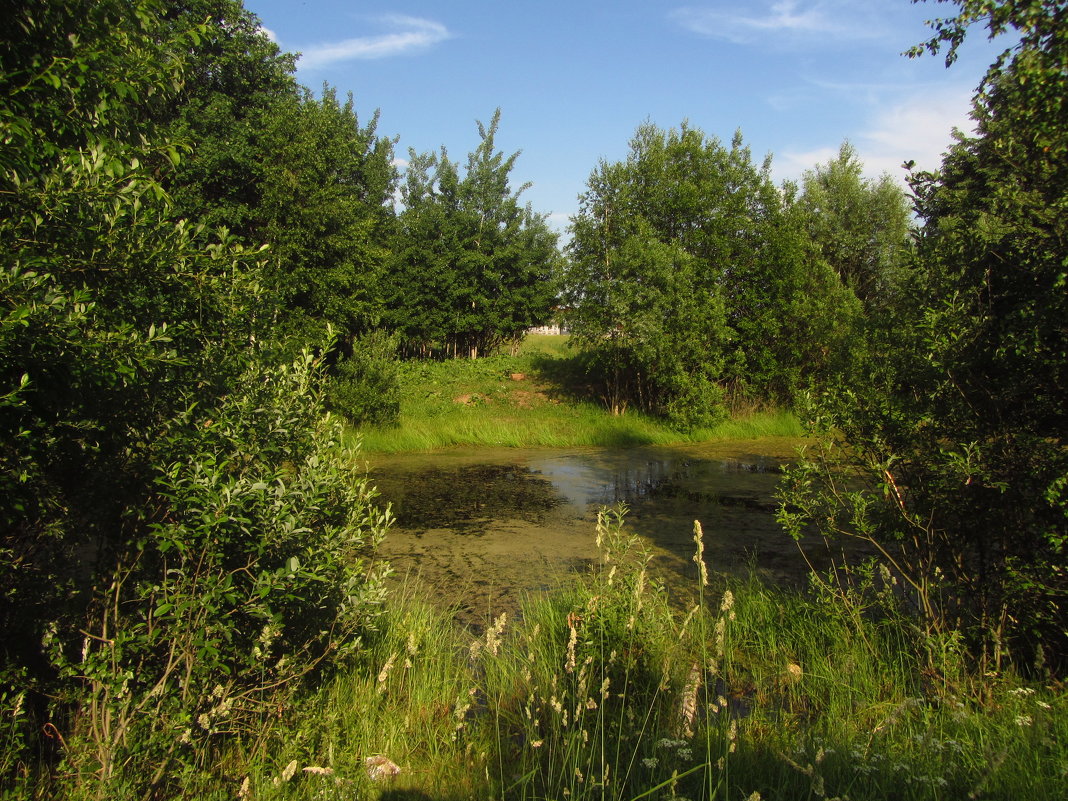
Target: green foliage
x,y
958,436
181,536
247,572
236,84
688,277
472,269
478,402
325,210
606,688
858,226
364,386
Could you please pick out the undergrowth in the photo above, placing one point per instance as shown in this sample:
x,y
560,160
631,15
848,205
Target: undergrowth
x,y
608,689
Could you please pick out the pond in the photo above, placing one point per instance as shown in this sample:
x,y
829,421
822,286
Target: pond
x,y
480,528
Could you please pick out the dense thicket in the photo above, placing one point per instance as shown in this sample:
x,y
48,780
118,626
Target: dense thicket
x,y
859,226
277,166
961,428
471,269
691,277
176,513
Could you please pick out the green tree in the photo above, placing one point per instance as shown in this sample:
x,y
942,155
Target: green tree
x,y
327,187
236,84
960,429
472,268
858,226
174,506
688,277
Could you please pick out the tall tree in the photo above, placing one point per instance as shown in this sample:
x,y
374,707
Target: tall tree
x,y
327,187
859,226
961,428
237,82
472,267
687,276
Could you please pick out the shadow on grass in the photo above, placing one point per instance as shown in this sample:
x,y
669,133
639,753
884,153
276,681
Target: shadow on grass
x,y
420,795
569,376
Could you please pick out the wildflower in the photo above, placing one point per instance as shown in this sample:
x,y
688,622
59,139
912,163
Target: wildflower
x,y
537,744
1023,720
793,673
493,633
1043,704
379,767
699,557
289,770
572,641
384,673
650,762
315,770
688,702
728,601
1022,691
639,589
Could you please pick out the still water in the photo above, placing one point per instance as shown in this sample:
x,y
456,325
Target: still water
x,y
480,528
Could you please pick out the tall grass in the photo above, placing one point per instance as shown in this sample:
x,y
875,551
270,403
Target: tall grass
x,y
608,689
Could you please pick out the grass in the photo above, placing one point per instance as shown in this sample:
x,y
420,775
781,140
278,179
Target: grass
x,y
537,398
606,689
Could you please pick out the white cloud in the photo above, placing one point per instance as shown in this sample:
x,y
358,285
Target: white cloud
x,y
558,221
410,33
918,127
269,33
825,18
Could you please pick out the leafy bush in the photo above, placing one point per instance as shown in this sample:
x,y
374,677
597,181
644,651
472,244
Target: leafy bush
x,y
365,386
252,570
182,536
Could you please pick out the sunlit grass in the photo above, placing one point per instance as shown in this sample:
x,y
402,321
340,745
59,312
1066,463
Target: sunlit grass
x,y
532,400
606,688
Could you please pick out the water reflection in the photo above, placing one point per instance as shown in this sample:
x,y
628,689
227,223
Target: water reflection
x,y
482,527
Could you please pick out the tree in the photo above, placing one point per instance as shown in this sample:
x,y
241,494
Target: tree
x,y
174,506
472,268
326,211
961,428
858,226
687,277
236,85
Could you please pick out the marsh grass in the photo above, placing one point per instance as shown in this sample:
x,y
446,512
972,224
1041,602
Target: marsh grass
x,y
538,398
606,688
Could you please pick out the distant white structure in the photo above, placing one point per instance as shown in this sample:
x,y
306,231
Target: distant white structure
x,y
555,329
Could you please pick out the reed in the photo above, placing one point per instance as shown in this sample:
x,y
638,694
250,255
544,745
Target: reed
x,y
606,688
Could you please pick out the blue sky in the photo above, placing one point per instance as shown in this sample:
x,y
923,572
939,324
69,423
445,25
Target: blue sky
x,y
574,78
